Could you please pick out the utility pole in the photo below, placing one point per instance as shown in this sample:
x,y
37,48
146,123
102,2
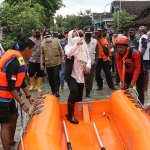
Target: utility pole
x,y
100,22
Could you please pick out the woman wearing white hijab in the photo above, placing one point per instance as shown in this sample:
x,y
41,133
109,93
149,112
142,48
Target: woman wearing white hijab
x,y
78,63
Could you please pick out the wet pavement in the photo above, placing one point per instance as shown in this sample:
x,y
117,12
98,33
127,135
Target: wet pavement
x,y
95,95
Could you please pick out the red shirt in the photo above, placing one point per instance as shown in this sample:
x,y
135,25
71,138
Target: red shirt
x,y
133,64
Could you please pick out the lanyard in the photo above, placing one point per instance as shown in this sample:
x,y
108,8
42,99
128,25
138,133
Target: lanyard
x,y
123,60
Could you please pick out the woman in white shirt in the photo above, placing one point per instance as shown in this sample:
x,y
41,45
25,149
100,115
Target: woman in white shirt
x,y
78,63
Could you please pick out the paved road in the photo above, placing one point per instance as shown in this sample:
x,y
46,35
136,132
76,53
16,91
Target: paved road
x,y
95,95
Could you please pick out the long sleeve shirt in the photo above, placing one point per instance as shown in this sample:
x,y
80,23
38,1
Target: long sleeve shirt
x,y
69,51
134,67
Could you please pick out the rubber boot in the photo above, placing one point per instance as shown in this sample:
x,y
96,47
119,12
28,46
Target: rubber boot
x,y
53,90
39,82
87,94
32,82
57,91
70,116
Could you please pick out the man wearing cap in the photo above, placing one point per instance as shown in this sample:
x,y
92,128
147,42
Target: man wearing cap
x,y
93,52
54,56
134,42
35,62
103,62
145,52
119,32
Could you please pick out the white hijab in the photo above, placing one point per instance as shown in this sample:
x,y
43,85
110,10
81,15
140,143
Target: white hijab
x,y
80,54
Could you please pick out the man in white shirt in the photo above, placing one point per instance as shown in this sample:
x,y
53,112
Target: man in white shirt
x,y
93,52
145,53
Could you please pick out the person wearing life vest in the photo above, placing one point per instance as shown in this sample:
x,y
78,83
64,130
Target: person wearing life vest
x,y
35,62
54,57
130,67
12,78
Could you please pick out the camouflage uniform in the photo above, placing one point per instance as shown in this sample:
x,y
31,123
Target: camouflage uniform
x,y
134,43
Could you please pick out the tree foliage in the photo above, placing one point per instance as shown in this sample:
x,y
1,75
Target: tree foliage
x,y
124,18
28,15
50,7
72,21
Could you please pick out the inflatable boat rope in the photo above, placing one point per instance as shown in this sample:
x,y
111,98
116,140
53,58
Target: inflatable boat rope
x,y
31,109
133,89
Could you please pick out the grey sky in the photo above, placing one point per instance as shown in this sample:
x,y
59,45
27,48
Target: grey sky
x,y
74,6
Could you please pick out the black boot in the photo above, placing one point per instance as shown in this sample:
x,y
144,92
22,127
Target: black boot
x,y
53,90
57,91
87,94
70,116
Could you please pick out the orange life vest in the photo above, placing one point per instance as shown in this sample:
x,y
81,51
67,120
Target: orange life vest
x,y
4,61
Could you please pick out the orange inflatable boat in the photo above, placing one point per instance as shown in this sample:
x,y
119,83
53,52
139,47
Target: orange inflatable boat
x,y
115,124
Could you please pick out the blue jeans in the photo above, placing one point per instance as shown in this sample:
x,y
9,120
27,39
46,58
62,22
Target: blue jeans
x,y
62,74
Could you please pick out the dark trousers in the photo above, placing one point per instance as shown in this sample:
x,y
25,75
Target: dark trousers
x,y
105,65
117,74
53,75
139,84
76,91
89,78
34,68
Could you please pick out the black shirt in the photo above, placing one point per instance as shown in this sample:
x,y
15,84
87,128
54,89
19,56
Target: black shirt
x,y
11,75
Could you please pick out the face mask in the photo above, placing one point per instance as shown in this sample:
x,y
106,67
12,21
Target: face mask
x,y
75,39
81,34
104,35
87,36
99,35
132,36
38,35
120,34
48,39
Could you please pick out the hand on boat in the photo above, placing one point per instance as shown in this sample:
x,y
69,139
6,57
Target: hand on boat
x,y
32,100
25,108
147,109
123,86
132,85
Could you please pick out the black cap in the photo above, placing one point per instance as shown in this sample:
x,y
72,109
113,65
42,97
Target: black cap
x,y
46,33
132,30
37,30
88,30
119,30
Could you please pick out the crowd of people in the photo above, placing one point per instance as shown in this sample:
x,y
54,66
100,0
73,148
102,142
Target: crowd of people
x,y
76,57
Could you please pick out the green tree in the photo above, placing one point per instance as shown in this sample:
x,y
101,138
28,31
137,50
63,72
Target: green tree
x,y
29,16
72,21
50,7
121,18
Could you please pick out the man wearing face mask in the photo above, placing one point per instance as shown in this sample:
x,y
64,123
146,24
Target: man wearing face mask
x,y
36,62
106,35
119,32
93,52
134,42
103,62
54,57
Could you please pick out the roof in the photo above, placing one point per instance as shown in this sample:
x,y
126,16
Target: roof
x,y
131,7
96,16
143,19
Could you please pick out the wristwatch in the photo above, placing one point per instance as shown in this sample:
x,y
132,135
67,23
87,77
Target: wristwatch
x,y
28,96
